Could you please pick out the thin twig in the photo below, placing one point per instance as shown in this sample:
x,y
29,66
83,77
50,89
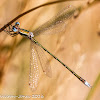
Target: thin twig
x,y
45,4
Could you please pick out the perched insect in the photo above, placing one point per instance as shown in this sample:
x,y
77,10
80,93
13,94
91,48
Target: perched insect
x,y
55,24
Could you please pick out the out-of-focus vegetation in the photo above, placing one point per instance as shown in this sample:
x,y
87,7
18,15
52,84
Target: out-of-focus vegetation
x,y
78,47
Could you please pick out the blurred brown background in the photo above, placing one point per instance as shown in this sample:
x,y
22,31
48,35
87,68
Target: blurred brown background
x,y
78,47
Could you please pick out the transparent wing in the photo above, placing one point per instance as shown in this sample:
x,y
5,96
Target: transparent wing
x,y
37,54
34,70
44,62
57,23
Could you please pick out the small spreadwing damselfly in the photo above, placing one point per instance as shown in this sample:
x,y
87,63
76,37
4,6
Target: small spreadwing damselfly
x,y
60,20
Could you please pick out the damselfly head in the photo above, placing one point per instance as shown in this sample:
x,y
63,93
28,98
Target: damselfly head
x,y
14,29
17,23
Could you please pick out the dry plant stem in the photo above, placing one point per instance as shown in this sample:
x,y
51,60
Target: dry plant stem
x,y
45,4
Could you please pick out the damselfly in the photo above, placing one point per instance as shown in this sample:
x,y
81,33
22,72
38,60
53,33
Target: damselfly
x,y
60,21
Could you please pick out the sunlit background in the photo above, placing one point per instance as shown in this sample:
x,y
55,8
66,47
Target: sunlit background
x,y
77,46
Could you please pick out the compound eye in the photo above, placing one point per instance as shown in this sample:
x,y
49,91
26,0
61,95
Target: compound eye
x,y
17,23
14,29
